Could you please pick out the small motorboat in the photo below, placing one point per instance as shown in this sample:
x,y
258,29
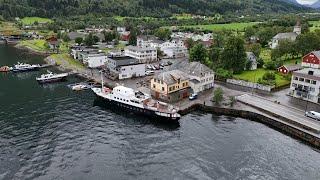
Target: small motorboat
x,y
25,67
80,86
51,77
5,69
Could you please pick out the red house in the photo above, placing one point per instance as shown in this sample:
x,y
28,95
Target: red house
x,y
125,36
312,60
53,43
287,69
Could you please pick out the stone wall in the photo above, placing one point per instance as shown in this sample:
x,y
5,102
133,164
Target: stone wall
x,y
271,122
250,85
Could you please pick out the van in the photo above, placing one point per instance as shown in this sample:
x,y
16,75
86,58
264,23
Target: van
x,y
313,115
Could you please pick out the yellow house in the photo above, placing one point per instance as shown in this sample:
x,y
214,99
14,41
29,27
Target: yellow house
x,y
170,86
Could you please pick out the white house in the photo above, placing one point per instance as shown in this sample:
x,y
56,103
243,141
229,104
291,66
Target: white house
x,y
142,54
253,60
174,52
124,67
305,84
201,77
95,60
292,36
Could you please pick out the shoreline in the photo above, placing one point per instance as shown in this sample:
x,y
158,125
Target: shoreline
x,y
253,115
30,50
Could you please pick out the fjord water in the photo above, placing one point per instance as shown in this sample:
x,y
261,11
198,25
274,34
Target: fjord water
x,y
50,132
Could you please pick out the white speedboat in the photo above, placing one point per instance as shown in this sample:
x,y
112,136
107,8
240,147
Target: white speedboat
x,y
25,67
51,77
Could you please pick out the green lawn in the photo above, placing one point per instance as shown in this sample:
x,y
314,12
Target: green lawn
x,y
32,20
230,26
67,61
265,54
36,44
316,25
253,76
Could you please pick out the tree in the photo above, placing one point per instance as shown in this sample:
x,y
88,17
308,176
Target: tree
x,y
218,95
198,53
255,48
109,36
65,37
163,33
89,41
250,31
79,40
308,42
265,35
214,54
234,56
190,43
96,39
133,37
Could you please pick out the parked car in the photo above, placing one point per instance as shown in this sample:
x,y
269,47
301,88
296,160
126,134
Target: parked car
x,y
153,67
149,66
193,96
149,73
313,115
169,63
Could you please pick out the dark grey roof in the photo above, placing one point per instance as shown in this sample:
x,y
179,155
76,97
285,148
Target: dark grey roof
x,y
194,81
123,60
193,68
293,67
171,77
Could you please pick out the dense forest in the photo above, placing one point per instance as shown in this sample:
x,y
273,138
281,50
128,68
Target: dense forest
x,y
137,8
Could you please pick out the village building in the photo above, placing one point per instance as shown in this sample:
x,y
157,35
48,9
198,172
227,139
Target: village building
x,y
170,86
311,60
143,54
175,52
253,60
288,69
96,60
53,43
292,36
77,52
305,84
124,67
201,77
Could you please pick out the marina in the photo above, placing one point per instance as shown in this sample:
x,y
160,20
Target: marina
x,y
50,129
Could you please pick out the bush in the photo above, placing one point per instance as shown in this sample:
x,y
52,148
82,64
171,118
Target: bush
x,y
223,74
269,78
218,95
272,65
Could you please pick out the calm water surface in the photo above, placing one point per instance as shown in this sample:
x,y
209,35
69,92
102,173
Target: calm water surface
x,y
50,132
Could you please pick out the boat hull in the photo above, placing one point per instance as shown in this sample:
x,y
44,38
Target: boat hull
x,y
114,105
44,81
25,69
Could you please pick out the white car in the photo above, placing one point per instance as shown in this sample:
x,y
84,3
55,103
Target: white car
x,y
149,73
313,115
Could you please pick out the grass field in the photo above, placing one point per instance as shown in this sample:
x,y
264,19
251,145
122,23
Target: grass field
x,y
32,20
66,61
9,28
315,25
37,45
217,27
253,76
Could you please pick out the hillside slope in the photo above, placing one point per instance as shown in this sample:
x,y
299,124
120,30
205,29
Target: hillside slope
x,y
156,8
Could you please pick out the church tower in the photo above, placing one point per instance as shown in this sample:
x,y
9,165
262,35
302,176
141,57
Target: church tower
x,y
297,28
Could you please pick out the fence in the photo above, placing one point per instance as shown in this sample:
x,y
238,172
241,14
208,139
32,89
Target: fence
x,y
250,85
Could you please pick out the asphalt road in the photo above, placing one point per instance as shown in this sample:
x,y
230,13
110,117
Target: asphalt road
x,y
288,112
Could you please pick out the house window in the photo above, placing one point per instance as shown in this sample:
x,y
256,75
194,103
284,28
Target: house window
x,y
307,80
314,82
162,88
154,86
301,79
154,80
296,78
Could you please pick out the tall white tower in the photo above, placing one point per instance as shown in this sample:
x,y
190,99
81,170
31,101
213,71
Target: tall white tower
x,y
297,28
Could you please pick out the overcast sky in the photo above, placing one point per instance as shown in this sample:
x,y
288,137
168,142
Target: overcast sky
x,y
307,1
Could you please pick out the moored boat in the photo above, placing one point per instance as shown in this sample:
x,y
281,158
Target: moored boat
x,y
20,67
51,77
5,69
